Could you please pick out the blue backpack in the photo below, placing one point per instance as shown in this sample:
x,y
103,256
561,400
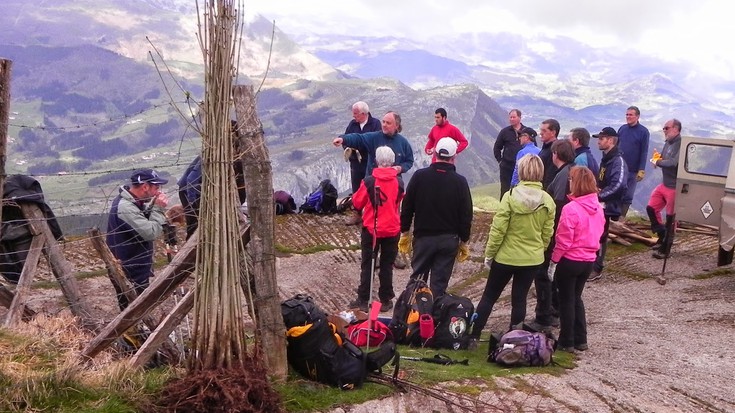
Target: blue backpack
x,y
322,201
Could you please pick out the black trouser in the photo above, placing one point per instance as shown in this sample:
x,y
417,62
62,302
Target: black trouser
x,y
435,255
122,300
571,277
547,296
388,248
500,275
600,261
357,172
506,174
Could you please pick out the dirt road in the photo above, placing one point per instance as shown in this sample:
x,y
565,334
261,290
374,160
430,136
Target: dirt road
x,y
653,348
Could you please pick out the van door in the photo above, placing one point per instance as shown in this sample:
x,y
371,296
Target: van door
x,y
702,186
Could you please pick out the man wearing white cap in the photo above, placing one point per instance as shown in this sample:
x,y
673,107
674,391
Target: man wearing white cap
x,y
439,205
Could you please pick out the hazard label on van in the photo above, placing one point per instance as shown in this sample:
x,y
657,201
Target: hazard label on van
x,y
707,210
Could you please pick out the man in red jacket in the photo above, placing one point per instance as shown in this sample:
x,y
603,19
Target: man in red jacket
x,y
443,129
379,197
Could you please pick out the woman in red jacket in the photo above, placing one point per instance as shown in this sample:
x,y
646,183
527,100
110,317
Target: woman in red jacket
x,y
382,192
577,238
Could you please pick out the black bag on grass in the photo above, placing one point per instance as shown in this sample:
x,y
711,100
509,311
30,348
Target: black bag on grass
x,y
318,352
452,315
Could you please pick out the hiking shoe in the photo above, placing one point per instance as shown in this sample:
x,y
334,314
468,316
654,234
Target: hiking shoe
x,y
536,326
555,322
359,304
660,255
582,347
594,276
386,306
472,343
399,262
567,349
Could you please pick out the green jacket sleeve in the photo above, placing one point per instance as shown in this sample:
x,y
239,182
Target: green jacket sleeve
x,y
148,228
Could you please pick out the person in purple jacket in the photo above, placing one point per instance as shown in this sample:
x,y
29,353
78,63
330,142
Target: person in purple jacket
x,y
633,141
581,225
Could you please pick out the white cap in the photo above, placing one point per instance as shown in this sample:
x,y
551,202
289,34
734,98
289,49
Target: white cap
x,y
446,147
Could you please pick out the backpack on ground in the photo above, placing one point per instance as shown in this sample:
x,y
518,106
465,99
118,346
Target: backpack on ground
x,y
284,203
413,306
344,204
318,352
520,348
322,201
452,316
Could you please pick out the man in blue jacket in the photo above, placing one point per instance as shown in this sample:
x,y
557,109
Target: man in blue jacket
x,y
611,180
389,136
633,141
362,122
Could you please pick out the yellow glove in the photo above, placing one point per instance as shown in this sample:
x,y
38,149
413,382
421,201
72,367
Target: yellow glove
x,y
640,175
463,252
656,156
404,243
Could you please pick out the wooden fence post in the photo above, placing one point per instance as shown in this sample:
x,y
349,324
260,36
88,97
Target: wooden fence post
x,y
5,68
259,179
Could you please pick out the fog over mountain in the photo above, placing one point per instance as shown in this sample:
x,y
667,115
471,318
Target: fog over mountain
x,y
65,74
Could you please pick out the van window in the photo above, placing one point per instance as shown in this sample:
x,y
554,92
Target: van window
x,y
706,159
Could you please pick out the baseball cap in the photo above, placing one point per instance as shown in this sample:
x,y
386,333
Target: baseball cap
x,y
150,176
528,131
446,147
606,131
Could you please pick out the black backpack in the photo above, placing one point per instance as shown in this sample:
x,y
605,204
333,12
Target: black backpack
x,y
415,302
318,352
322,201
452,318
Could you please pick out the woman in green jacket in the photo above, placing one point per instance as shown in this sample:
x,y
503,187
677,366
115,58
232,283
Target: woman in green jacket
x,y
520,232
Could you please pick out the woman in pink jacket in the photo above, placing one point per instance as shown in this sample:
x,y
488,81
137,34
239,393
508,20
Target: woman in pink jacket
x,y
578,235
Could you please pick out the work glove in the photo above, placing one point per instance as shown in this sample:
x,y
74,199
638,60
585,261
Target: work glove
x,y
488,262
463,252
551,271
640,175
404,243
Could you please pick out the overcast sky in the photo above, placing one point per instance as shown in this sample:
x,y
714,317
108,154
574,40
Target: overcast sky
x,y
695,30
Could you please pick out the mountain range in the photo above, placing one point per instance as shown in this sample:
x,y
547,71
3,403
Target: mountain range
x,y
89,103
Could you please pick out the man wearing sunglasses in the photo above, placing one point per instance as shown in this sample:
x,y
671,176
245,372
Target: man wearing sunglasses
x,y
136,219
664,194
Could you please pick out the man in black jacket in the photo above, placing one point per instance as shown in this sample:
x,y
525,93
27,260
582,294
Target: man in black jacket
x,y
439,204
506,148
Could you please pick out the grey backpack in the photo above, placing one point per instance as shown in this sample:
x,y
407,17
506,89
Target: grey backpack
x,y
520,348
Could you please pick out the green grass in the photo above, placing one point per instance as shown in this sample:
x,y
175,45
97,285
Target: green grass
x,y
486,197
718,272
300,395
313,249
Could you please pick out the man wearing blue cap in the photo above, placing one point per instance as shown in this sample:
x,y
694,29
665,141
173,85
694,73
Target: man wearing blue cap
x,y
136,219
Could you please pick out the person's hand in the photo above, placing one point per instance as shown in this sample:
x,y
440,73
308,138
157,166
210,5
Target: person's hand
x,y
398,168
640,175
337,141
161,200
430,151
404,243
488,262
551,271
463,252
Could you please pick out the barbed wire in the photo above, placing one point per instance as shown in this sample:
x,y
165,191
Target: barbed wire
x,y
97,123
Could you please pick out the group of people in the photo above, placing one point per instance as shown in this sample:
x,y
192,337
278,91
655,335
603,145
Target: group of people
x,y
550,229
436,202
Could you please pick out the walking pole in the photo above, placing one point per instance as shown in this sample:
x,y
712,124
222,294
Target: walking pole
x,y
373,254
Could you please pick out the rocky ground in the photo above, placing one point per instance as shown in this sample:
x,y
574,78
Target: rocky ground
x,y
653,348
